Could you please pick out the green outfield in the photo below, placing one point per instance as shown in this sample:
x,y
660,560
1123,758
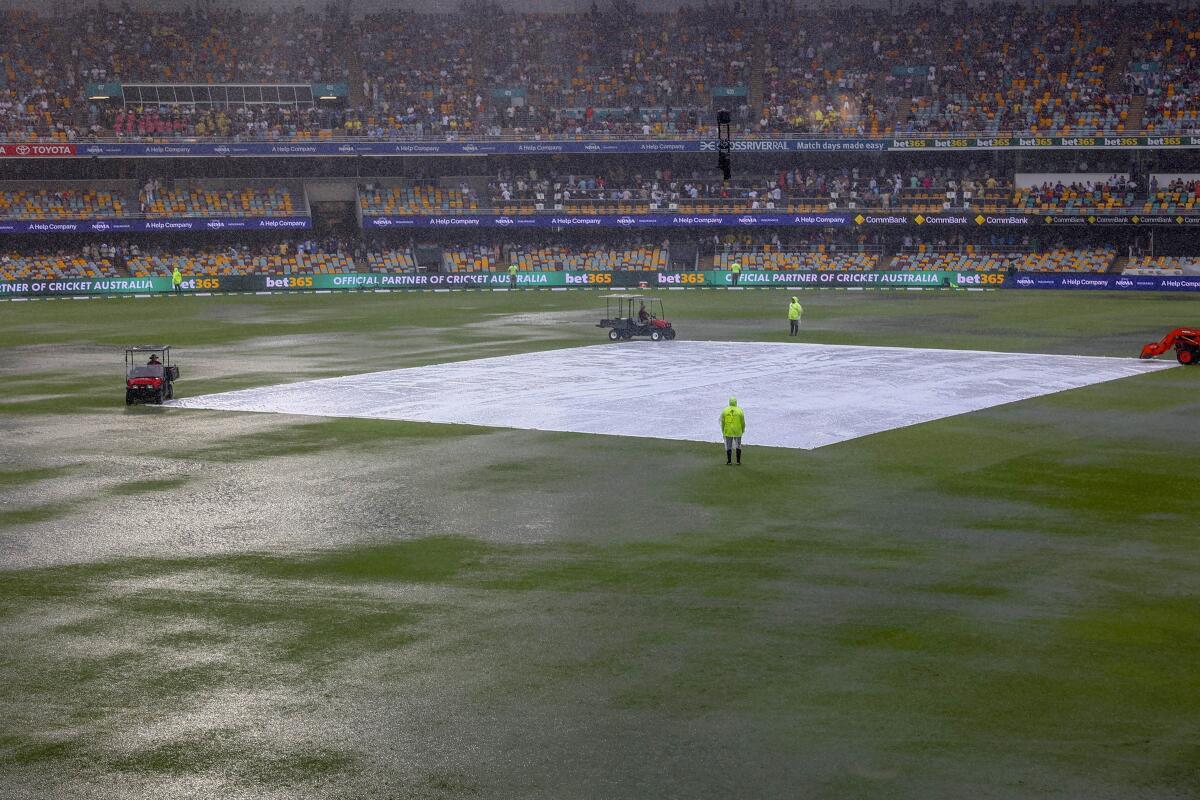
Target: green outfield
x,y
204,604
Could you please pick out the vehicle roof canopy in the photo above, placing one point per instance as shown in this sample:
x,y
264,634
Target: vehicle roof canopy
x,y
147,348
628,297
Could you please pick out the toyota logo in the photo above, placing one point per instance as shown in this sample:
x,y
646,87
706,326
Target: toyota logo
x,y
23,149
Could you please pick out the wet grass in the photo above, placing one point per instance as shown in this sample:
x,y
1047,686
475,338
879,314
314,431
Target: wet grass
x,y
34,514
322,436
997,604
14,478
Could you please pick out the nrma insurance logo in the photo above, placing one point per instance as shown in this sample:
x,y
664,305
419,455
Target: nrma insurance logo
x,y
1023,281
216,224
504,221
626,221
100,226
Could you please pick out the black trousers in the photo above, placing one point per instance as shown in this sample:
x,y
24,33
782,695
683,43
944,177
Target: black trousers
x,y
733,278
793,327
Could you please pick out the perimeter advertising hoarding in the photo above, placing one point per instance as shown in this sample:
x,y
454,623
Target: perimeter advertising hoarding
x,y
141,225
1101,281
177,148
597,280
67,286
683,219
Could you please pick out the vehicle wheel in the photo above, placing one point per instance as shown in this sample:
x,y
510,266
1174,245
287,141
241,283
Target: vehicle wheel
x,y
656,335
670,334
129,398
158,397
614,334
1185,356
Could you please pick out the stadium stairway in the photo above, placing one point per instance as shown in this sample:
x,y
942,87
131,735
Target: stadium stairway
x,y
1118,265
1137,113
759,57
1117,66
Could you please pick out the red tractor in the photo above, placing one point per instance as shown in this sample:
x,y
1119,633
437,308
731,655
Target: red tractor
x,y
1186,342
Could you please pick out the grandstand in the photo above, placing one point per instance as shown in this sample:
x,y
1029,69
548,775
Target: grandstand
x,y
526,79
989,69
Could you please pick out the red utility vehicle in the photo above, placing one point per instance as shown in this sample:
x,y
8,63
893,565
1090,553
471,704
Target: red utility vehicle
x,y
149,374
629,315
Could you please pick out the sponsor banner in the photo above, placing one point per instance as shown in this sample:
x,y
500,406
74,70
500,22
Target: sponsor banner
x,y
379,148
1096,281
136,225
932,279
178,149
561,220
685,220
550,219
19,150
66,286
417,280
928,278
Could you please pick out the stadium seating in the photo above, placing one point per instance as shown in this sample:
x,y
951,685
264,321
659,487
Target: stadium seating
x,y
391,260
969,259
474,258
1075,197
983,259
1177,197
238,261
820,258
1163,265
58,204
55,266
415,200
199,200
598,259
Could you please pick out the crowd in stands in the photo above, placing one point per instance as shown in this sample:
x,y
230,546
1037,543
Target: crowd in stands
x,y
483,70
1116,193
1178,195
1165,68
795,190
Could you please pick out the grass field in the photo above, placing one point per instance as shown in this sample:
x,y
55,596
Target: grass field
x,y
203,604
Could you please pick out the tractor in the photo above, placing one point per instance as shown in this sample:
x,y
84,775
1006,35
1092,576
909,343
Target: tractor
x,y
630,315
149,374
1186,342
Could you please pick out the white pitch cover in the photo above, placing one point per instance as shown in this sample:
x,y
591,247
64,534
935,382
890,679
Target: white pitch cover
x,y
794,395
